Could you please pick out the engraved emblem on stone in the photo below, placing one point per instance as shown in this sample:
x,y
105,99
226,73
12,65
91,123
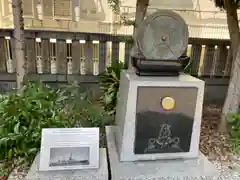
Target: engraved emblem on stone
x,y
168,103
164,139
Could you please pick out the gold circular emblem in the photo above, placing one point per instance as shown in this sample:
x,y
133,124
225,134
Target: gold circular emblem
x,y
168,103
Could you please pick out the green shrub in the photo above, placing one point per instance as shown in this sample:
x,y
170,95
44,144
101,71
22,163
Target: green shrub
x,y
37,106
109,84
83,107
234,131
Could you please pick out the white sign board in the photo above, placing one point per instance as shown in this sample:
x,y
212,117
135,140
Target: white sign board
x,y
69,149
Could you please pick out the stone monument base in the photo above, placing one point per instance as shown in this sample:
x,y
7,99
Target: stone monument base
x,y
86,174
181,169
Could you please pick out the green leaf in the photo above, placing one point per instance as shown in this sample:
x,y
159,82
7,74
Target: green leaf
x,y
109,85
10,154
32,150
233,120
4,171
4,140
63,98
16,128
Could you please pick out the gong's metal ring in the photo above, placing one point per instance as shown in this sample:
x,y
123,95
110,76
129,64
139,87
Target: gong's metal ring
x,y
150,19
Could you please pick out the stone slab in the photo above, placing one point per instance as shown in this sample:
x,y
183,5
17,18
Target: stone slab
x,y
87,174
185,169
131,102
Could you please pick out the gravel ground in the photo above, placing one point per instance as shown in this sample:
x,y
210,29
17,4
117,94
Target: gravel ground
x,y
18,175
213,144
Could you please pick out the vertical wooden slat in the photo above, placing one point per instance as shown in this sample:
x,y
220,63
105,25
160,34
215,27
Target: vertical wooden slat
x,y
128,47
14,60
195,58
75,57
221,57
108,53
95,57
228,66
102,60
189,50
46,56
215,59
207,61
89,61
83,58
202,55
115,52
3,66
31,56
61,61
8,55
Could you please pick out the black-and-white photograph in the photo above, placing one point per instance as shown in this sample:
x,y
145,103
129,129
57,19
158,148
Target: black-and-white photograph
x,y
69,156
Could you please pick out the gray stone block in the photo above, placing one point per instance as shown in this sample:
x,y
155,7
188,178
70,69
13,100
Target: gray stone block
x,y
87,174
185,169
131,102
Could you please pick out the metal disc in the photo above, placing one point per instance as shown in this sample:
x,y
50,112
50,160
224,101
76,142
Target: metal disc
x,y
162,35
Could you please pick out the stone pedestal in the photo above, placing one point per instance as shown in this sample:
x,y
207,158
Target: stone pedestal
x,y
88,174
149,128
180,169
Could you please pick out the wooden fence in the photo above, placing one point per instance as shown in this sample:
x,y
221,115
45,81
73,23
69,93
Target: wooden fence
x,y
59,57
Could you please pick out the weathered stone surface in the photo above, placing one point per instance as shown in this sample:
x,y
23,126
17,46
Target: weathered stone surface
x,y
87,174
162,35
190,169
139,94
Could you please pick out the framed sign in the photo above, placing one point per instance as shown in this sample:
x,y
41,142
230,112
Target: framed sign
x,y
69,149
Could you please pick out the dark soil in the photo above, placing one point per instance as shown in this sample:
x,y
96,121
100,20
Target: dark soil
x,y
3,177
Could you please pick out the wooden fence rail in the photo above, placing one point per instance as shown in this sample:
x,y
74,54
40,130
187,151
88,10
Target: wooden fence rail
x,y
66,56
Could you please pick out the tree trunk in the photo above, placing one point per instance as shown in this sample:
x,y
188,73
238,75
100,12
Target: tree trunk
x,y
141,9
233,27
18,35
232,100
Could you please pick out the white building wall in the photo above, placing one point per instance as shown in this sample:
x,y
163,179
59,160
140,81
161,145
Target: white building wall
x,y
201,15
